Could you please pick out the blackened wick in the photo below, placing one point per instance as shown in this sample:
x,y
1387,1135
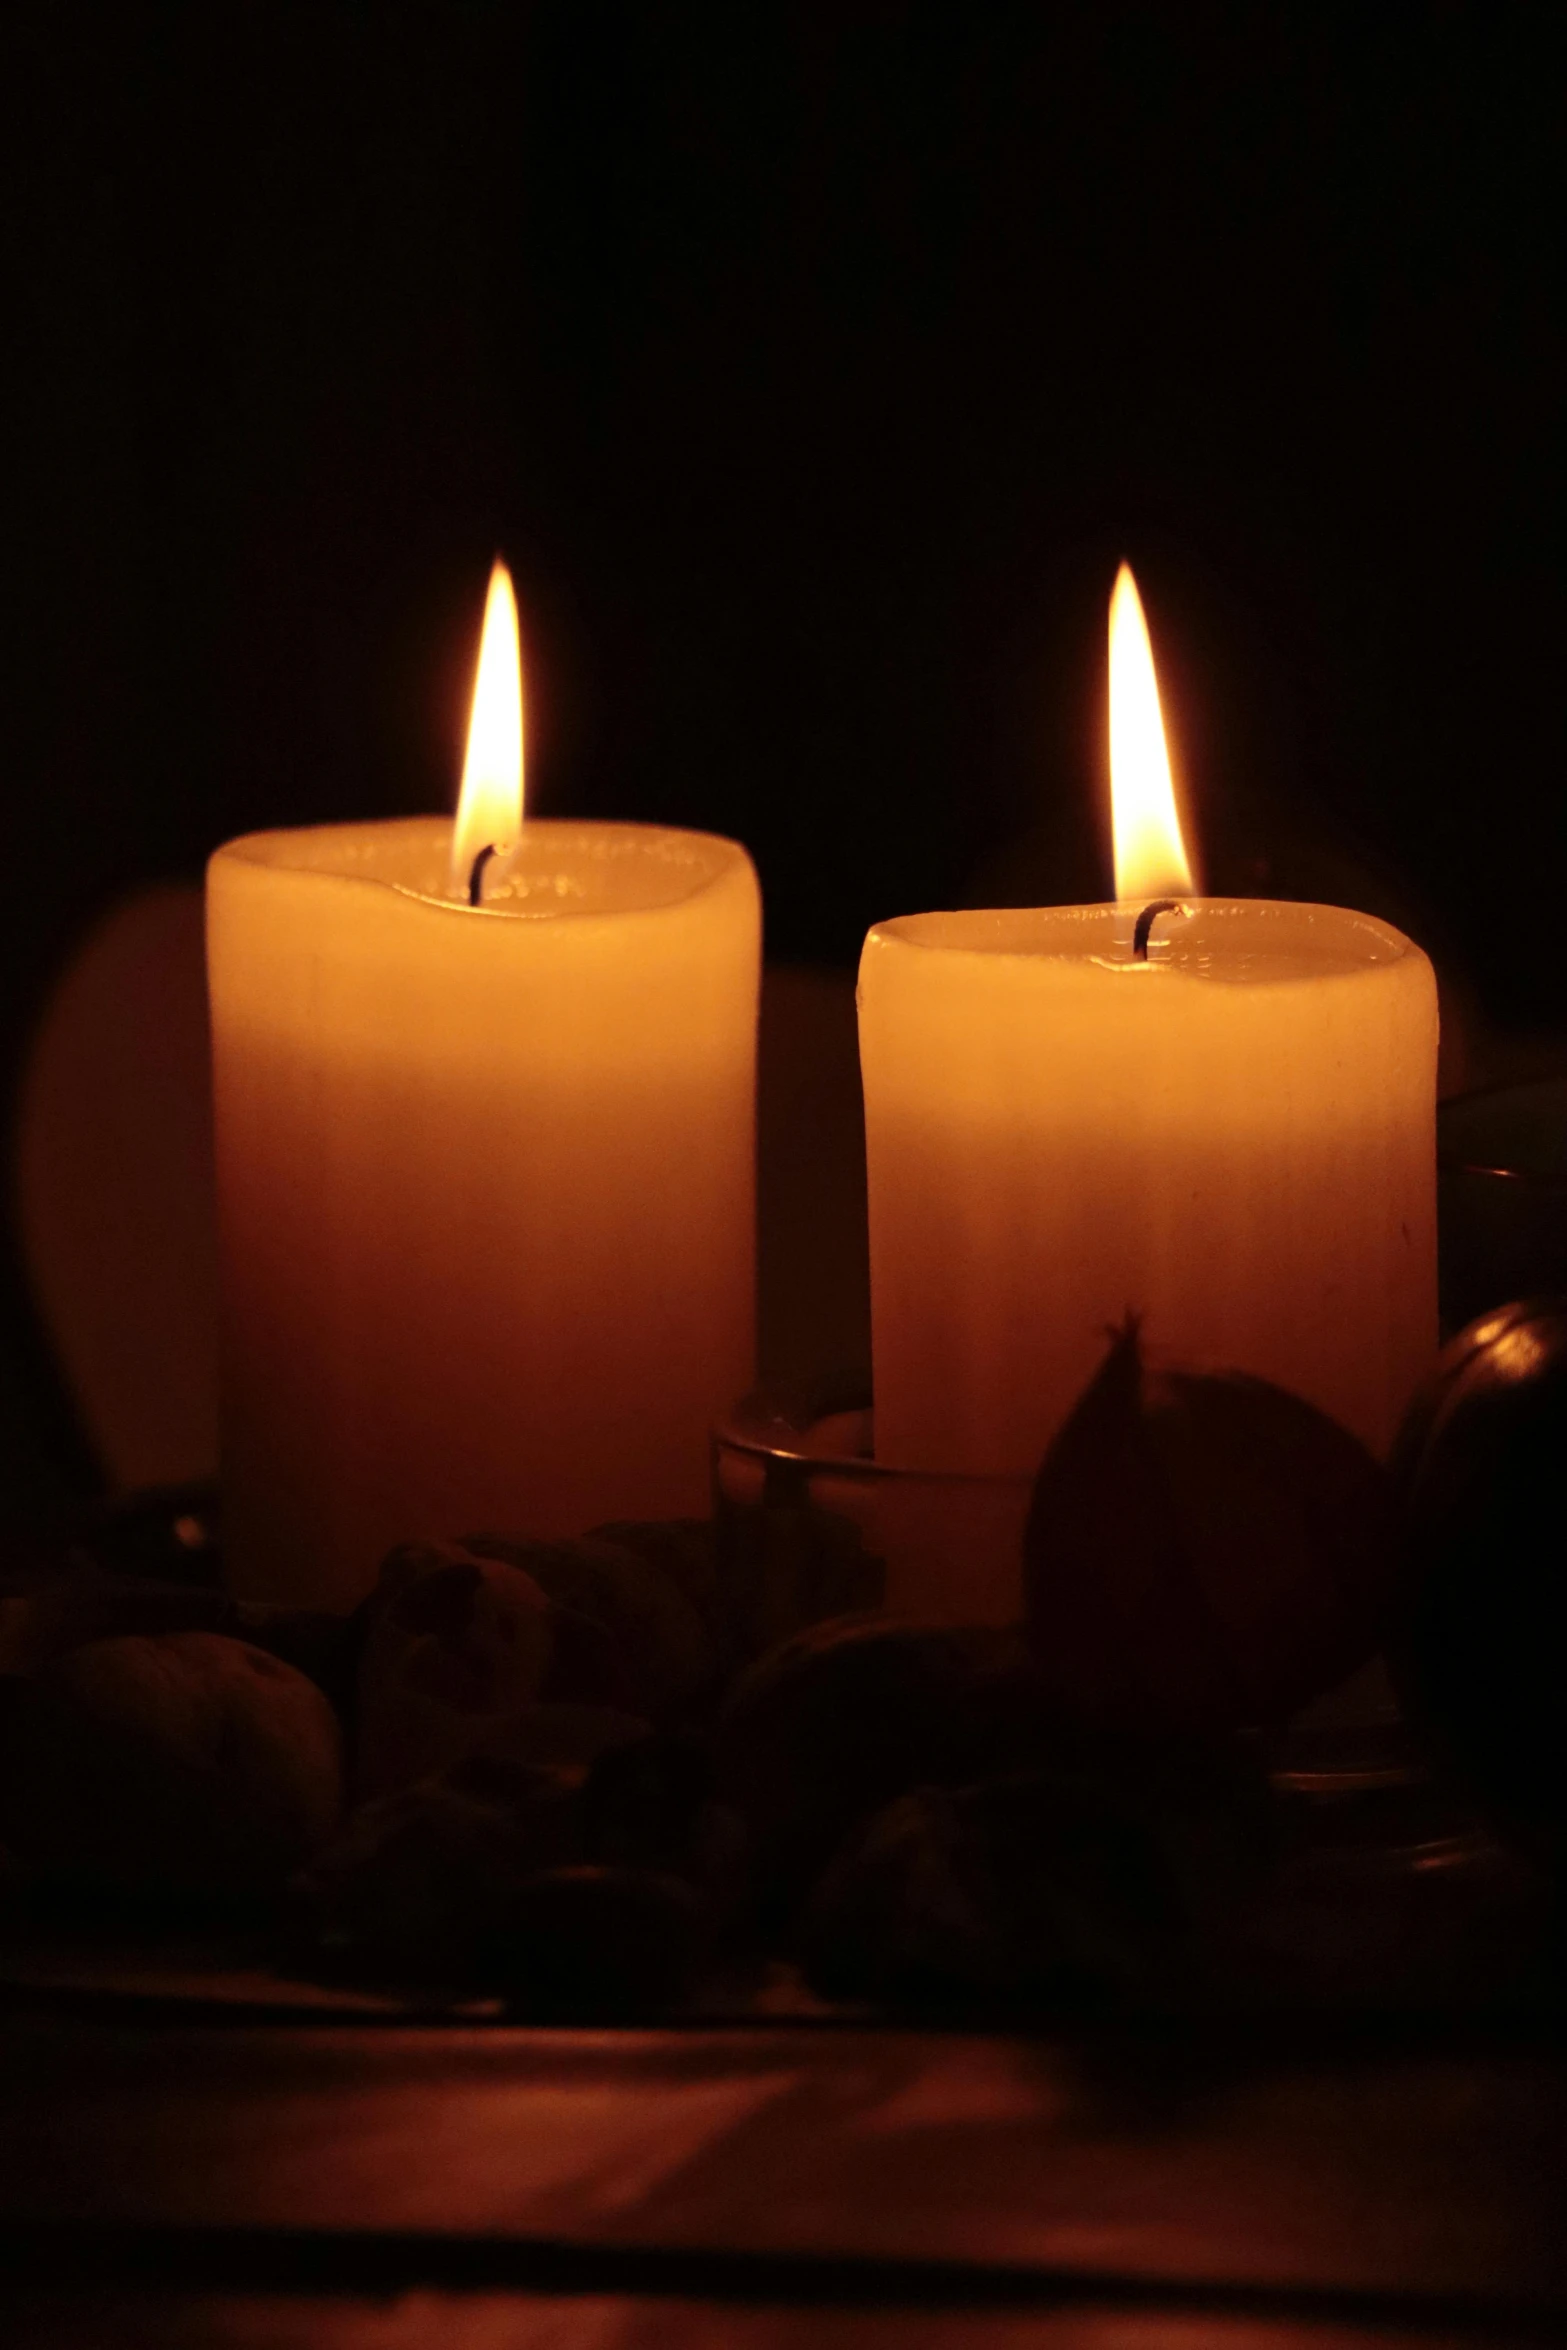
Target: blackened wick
x,y
476,882
1140,936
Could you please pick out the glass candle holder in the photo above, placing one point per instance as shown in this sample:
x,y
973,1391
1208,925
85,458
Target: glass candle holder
x,y
1501,1197
811,1525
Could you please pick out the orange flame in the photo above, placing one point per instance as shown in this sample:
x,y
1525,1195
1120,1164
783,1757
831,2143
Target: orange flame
x,y
1150,856
489,806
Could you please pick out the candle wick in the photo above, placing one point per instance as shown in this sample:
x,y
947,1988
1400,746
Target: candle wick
x,y
476,878
1145,923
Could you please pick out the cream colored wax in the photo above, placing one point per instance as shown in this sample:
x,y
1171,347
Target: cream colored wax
x,y
486,1185
1235,1139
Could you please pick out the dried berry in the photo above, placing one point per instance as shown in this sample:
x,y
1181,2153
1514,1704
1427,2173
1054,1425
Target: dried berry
x,y
1017,1890
421,1884
551,1733
454,1647
650,1805
1202,1549
836,1721
630,1636
682,1550
789,1564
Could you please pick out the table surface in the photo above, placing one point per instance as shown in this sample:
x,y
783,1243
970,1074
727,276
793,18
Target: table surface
x,y
374,2183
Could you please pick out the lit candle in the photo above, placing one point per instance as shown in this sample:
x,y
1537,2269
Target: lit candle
x,y
484,1121
1220,1115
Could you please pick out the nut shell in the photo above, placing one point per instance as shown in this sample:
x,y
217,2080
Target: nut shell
x,y
183,1763
454,1648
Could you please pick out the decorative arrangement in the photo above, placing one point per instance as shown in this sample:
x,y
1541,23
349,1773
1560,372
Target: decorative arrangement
x,y
1005,1718
560,1777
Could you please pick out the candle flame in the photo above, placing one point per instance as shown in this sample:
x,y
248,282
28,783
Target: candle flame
x,y
489,806
1150,856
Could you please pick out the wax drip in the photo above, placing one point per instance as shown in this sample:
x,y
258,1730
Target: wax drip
x,y
476,878
1145,923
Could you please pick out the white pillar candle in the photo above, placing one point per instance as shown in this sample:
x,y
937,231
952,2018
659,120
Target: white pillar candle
x,y
1234,1138
486,1183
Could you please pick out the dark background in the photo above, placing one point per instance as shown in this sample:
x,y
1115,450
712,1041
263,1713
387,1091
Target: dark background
x,y
813,368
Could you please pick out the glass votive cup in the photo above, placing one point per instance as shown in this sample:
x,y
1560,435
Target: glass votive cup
x,y
811,1525
1501,1197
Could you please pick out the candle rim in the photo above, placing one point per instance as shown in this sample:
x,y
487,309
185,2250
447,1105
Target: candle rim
x,y
1390,947
712,862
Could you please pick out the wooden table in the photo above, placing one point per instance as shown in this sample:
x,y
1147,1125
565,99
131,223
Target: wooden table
x,y
378,2185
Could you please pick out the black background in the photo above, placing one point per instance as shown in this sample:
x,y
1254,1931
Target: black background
x,y
813,368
